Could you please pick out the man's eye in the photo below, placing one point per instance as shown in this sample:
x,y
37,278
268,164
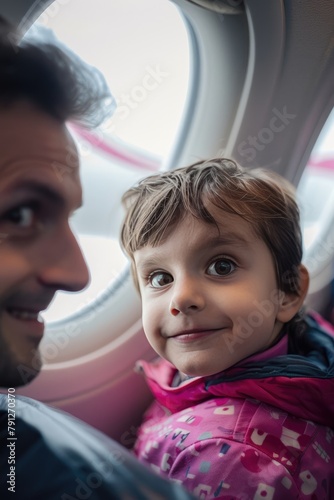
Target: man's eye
x,y
221,267
23,216
159,279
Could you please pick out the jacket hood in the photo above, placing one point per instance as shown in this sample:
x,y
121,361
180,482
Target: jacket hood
x,y
300,382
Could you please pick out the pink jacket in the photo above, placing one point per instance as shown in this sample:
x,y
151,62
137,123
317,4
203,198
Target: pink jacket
x,y
261,430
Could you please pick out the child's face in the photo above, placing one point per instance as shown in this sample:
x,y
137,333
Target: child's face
x,y
209,297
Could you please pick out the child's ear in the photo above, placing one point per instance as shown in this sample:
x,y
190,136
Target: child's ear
x,y
291,303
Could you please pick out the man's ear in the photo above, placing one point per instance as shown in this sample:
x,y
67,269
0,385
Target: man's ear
x,y
291,303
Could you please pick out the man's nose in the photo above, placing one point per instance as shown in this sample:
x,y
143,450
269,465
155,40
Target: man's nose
x,y
64,266
188,297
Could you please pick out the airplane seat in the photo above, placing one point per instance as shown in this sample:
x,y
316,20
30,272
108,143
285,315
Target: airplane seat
x,y
330,314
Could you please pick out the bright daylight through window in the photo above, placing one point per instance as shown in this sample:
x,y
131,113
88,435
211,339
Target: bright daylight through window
x,y
316,196
142,50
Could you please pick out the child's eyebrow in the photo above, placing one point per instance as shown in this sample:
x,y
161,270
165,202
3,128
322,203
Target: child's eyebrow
x,y
228,238
147,264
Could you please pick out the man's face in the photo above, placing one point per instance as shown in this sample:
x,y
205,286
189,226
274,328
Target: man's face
x,y
209,296
39,190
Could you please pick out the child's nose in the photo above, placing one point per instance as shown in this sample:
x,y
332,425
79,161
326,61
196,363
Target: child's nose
x,y
187,298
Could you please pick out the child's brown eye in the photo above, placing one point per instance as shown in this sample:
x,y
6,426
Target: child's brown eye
x,y
221,267
159,279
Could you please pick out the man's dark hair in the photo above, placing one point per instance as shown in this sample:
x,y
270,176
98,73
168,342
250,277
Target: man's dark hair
x,y
56,82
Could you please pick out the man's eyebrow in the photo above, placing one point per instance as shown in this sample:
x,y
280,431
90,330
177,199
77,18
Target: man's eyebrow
x,y
41,189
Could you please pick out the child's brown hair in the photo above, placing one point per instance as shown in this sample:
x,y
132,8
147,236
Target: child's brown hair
x,y
264,199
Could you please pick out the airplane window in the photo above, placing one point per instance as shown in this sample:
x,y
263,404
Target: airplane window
x,y
142,49
316,195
